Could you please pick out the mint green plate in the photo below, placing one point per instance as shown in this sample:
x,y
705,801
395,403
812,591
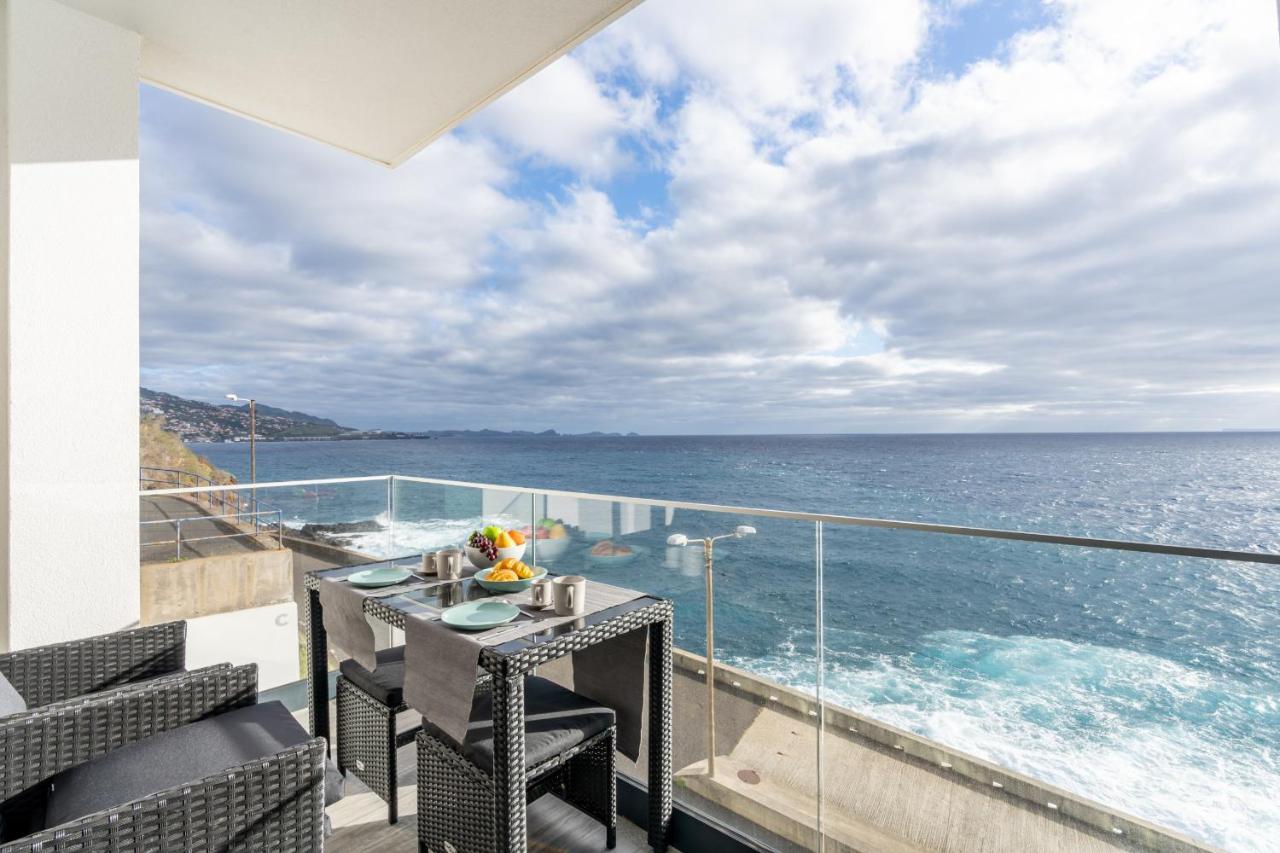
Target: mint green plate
x,y
478,615
381,576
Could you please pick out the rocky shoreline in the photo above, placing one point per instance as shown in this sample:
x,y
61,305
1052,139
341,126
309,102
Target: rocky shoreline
x,y
339,533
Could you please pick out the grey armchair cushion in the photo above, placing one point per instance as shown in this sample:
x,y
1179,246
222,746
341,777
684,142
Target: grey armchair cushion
x,y
11,701
556,719
172,758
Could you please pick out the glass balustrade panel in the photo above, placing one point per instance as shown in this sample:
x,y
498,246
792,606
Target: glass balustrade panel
x,y
963,674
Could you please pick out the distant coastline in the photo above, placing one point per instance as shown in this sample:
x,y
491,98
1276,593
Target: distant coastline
x,y
395,435
206,423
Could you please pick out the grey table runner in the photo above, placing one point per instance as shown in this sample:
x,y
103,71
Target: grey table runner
x,y
613,674
344,618
440,664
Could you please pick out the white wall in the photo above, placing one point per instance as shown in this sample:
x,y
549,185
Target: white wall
x,y
267,636
69,443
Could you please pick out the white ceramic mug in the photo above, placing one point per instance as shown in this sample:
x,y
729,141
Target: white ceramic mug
x,y
571,595
449,564
429,564
542,594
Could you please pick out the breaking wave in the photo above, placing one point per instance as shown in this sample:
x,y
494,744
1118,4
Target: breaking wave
x,y
1178,746
414,537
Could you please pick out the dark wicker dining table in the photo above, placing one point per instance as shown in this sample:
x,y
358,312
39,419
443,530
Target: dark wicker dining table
x,y
508,664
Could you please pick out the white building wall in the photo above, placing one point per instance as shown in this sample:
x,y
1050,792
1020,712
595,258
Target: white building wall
x,y
70,209
267,636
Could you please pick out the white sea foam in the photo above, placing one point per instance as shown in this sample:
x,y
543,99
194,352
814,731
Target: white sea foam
x,y
411,537
1182,748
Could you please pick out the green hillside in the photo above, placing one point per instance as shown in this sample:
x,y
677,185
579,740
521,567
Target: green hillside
x,y
163,449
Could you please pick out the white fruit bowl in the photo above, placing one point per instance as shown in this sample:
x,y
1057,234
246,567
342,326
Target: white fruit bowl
x,y
515,551
480,561
551,549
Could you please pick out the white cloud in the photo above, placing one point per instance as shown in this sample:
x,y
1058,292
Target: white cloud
x,y
561,116
762,58
1076,233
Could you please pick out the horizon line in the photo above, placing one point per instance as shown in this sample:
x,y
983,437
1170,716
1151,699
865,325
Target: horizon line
x,y
496,433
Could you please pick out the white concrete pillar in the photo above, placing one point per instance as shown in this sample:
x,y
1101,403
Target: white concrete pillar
x,y
69,209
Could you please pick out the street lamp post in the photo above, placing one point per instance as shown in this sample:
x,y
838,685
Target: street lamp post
x,y
679,540
253,436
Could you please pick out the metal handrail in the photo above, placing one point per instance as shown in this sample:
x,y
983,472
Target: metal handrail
x,y
176,476
179,541
826,518
242,505
244,510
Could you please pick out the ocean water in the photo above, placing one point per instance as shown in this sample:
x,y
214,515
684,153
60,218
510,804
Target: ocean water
x,y
1148,682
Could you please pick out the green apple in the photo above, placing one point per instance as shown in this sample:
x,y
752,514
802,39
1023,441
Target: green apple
x,y
491,532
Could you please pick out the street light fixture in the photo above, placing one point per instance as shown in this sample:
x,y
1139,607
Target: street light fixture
x,y
253,435
679,540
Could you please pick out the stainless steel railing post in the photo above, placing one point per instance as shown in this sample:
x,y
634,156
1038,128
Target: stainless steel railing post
x,y
177,540
391,515
711,659
820,682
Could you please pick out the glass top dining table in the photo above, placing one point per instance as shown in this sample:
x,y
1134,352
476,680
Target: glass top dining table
x,y
509,662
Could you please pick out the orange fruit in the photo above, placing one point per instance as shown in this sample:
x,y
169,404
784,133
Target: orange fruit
x,y
516,536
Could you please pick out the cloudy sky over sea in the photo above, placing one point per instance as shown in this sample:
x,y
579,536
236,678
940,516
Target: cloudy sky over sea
x,y
817,216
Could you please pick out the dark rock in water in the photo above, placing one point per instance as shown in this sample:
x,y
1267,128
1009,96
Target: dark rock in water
x,y
326,532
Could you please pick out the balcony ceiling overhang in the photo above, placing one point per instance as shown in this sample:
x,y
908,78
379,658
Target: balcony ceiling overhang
x,y
378,78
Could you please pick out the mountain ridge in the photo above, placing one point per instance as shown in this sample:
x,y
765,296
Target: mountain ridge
x,y
194,421
199,422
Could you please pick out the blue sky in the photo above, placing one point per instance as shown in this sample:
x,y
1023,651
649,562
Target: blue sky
x,y
823,216
972,32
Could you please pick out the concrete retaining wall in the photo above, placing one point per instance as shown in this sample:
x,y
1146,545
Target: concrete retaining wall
x,y
210,585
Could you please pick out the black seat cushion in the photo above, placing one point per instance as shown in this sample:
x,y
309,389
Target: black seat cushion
x,y
556,720
386,683
172,758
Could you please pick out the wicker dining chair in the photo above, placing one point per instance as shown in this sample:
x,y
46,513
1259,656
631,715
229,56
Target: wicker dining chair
x,y
569,744
367,705
111,773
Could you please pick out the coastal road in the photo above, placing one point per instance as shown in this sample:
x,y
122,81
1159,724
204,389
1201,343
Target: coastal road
x,y
158,539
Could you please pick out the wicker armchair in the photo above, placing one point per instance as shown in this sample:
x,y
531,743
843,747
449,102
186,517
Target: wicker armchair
x,y
63,671
275,802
